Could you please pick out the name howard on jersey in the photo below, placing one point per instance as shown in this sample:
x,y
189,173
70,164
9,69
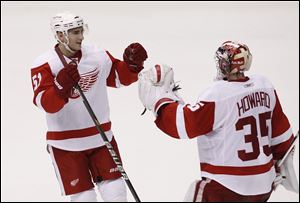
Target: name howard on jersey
x,y
256,99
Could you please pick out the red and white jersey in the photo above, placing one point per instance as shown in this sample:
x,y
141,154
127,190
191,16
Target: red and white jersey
x,y
70,126
240,129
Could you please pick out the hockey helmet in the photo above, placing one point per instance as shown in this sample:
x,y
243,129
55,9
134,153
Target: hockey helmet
x,y
232,57
63,22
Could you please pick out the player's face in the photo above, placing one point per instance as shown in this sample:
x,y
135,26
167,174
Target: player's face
x,y
75,38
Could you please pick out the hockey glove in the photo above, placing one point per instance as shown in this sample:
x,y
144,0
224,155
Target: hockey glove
x,y
156,88
66,79
135,55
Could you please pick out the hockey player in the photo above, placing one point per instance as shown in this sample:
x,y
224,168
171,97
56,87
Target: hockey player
x,y
76,148
239,124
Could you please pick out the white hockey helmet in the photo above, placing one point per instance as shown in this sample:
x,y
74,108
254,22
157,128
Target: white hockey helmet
x,y
62,22
232,57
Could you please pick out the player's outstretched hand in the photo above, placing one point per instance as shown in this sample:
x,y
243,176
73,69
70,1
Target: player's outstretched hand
x,y
135,55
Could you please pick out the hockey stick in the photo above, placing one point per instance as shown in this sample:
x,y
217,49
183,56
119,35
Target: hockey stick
x,y
102,133
280,162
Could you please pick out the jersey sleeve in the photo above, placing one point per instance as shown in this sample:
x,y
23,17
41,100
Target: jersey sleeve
x,y
120,73
186,121
282,135
45,96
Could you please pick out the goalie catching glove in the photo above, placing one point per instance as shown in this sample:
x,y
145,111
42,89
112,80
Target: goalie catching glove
x,y
157,87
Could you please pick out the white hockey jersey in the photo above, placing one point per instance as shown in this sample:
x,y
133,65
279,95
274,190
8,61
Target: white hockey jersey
x,y
70,126
240,129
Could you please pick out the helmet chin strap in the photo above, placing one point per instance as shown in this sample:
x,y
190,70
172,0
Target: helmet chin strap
x,y
66,44
68,48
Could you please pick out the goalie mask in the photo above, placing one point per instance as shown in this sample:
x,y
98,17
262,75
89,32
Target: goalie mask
x,y
63,22
232,57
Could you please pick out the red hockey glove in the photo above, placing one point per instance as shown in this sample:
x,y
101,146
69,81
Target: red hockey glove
x,y
66,79
135,55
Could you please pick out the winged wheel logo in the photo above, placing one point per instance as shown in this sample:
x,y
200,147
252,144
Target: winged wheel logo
x,y
86,82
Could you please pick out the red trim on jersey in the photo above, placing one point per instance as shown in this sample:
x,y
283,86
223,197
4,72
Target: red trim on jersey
x,y
126,76
40,79
199,119
53,135
280,123
241,170
279,150
166,119
51,102
43,81
240,79
163,100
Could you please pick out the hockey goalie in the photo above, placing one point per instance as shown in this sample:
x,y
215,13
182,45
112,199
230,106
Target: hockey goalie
x,y
240,127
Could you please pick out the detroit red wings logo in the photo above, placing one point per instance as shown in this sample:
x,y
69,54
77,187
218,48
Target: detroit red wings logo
x,y
86,81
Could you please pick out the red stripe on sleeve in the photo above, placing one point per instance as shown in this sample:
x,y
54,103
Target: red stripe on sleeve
x,y
199,119
126,76
42,80
280,123
51,102
279,150
162,101
166,119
